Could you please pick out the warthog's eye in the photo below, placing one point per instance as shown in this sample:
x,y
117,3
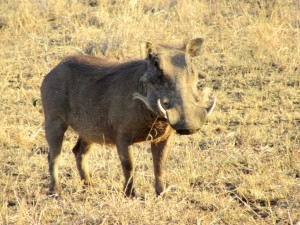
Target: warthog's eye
x,y
166,103
156,63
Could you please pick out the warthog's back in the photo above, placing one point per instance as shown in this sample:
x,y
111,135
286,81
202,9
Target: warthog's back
x,y
93,96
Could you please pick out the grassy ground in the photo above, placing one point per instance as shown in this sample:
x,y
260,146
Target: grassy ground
x,y
242,168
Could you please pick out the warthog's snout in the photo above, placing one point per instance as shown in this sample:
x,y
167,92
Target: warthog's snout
x,y
189,122
184,124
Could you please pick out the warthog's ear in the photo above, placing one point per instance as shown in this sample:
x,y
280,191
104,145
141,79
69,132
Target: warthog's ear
x,y
148,50
193,48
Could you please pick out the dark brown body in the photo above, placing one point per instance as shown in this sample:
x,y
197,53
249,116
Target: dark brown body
x,y
96,98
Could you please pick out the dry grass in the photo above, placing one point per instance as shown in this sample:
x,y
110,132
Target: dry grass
x,y
244,166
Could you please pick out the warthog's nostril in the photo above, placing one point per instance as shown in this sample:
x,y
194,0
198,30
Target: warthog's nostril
x,y
186,131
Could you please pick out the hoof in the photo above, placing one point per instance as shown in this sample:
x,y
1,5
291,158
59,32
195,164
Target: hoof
x,y
88,183
130,193
54,191
54,195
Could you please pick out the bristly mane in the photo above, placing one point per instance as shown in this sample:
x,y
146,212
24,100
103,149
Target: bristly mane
x,y
102,67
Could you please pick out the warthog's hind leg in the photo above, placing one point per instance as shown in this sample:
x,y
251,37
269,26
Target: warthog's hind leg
x,y
125,152
54,134
80,151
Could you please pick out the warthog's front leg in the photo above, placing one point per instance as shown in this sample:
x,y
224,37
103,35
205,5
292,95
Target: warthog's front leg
x,y
160,149
125,152
80,151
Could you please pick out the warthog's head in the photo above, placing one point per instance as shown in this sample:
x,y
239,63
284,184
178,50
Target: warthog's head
x,y
173,89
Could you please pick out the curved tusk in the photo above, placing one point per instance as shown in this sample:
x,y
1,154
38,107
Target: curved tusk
x,y
210,108
162,111
138,96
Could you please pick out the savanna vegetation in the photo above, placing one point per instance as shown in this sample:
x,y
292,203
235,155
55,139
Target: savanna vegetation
x,y
243,167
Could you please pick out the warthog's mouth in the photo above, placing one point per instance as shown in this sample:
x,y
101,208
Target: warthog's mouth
x,y
138,96
144,99
186,131
163,112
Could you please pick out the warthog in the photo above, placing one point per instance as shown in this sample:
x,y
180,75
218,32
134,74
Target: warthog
x,y
124,103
